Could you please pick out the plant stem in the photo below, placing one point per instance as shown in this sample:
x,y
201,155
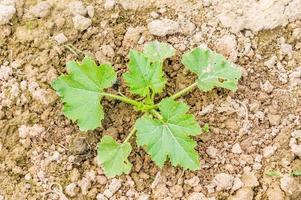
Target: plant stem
x,y
184,91
123,99
156,114
130,135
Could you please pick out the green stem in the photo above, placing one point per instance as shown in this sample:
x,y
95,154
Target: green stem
x,y
130,135
184,91
137,104
156,114
123,99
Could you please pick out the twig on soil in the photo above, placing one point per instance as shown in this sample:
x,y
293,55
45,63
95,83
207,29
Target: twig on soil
x,y
246,120
62,146
284,90
181,175
246,110
156,180
57,189
74,50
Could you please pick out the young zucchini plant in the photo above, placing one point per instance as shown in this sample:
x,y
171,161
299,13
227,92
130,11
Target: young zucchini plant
x,y
164,129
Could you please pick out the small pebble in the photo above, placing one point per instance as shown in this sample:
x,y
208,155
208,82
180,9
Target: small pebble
x,y
71,189
212,151
85,185
77,8
243,194
101,197
236,149
81,23
163,27
193,182
6,13
90,10
223,181
41,10
249,180
269,151
267,87
109,4
60,38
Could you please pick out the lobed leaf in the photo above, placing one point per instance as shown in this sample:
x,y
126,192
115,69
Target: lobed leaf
x,y
144,75
213,69
80,91
170,137
114,156
158,52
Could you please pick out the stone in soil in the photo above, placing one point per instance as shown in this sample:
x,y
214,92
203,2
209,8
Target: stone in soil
x,y
227,45
274,119
109,4
237,184
79,146
71,189
77,8
223,181
41,9
85,185
113,187
290,185
245,193
275,193
236,149
81,23
249,180
257,15
60,38
266,87
143,197
163,27
269,151
101,197
212,152
90,11
197,196
6,13
193,182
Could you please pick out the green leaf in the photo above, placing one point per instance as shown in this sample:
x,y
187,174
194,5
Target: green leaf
x,y
170,137
157,51
144,75
80,91
114,156
213,69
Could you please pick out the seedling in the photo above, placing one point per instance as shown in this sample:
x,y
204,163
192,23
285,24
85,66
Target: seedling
x,y
164,129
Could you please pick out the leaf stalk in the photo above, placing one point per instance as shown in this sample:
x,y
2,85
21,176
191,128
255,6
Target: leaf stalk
x,y
137,104
129,135
156,114
184,91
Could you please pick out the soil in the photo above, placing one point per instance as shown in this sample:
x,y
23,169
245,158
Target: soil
x,y
253,132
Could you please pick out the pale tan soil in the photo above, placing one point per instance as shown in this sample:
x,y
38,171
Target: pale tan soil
x,y
61,154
